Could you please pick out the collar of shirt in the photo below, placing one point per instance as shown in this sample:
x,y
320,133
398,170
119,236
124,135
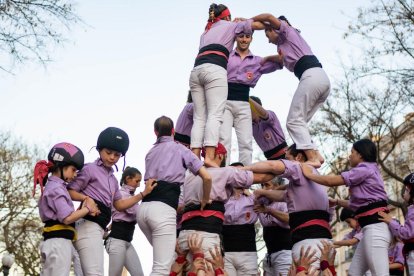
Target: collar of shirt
x,y
57,180
163,139
234,52
128,189
99,163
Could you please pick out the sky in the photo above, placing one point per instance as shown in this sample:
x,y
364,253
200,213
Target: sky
x,y
130,61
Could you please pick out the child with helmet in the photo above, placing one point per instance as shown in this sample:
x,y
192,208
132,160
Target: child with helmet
x,y
56,207
97,181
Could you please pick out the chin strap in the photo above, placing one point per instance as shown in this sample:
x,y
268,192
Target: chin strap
x,y
41,170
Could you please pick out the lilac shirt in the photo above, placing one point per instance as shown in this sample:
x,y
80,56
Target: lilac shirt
x,y
248,70
292,45
98,182
224,33
269,220
223,181
168,161
303,194
268,133
355,233
128,215
395,253
365,185
405,232
55,203
240,211
185,120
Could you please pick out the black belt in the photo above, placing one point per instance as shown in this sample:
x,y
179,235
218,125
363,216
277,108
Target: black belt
x,y
371,219
239,238
268,154
183,139
103,218
310,232
213,58
276,239
122,230
56,229
165,192
238,92
305,63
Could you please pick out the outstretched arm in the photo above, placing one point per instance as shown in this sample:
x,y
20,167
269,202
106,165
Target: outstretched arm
x,y
273,195
275,167
267,17
326,180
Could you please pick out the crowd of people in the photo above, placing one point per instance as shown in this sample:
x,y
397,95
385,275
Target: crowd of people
x,y
197,209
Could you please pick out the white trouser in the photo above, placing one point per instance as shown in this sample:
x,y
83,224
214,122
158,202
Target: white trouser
x,y
311,93
372,251
157,221
90,247
237,114
122,253
240,263
208,83
410,262
56,257
278,264
77,268
210,241
313,244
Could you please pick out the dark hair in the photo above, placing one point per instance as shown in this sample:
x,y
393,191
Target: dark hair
x,y
409,182
256,99
237,164
164,126
346,214
367,149
129,172
282,17
294,151
189,97
215,10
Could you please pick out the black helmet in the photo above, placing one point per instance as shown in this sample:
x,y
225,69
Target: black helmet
x,y
409,179
113,138
66,154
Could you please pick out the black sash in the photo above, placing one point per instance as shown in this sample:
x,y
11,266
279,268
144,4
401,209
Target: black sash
x,y
305,63
238,92
103,218
210,224
58,233
276,239
239,238
372,219
311,232
213,58
184,139
270,152
122,230
165,192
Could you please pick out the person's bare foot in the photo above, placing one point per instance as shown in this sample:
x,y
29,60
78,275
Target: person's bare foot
x,y
312,157
314,163
320,157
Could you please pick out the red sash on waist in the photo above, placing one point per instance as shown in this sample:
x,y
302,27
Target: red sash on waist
x,y
278,153
204,214
213,52
311,222
372,212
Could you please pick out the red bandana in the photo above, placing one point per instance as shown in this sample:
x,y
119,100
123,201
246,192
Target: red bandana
x,y
41,170
223,14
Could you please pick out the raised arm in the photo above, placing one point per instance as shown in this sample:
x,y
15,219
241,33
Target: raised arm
x,y
207,181
260,111
326,180
123,204
275,167
269,18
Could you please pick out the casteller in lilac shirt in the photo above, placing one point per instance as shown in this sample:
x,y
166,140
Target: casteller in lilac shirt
x,y
55,203
98,182
269,220
224,33
268,133
292,45
169,160
240,211
303,194
406,231
248,71
365,185
395,253
130,214
185,120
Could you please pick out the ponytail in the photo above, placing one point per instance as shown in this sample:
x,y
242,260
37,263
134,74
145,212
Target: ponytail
x,y
129,172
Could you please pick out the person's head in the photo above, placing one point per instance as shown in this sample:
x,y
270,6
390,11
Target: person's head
x,y
408,193
294,154
272,34
243,41
112,143
363,150
218,12
272,184
348,216
237,190
189,97
255,116
220,155
131,177
163,126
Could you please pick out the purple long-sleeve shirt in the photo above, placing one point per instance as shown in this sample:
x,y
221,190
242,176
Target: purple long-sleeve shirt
x,y
128,215
365,185
224,33
185,120
292,45
168,161
240,210
223,181
406,231
395,253
303,194
269,220
268,133
98,182
248,70
55,203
